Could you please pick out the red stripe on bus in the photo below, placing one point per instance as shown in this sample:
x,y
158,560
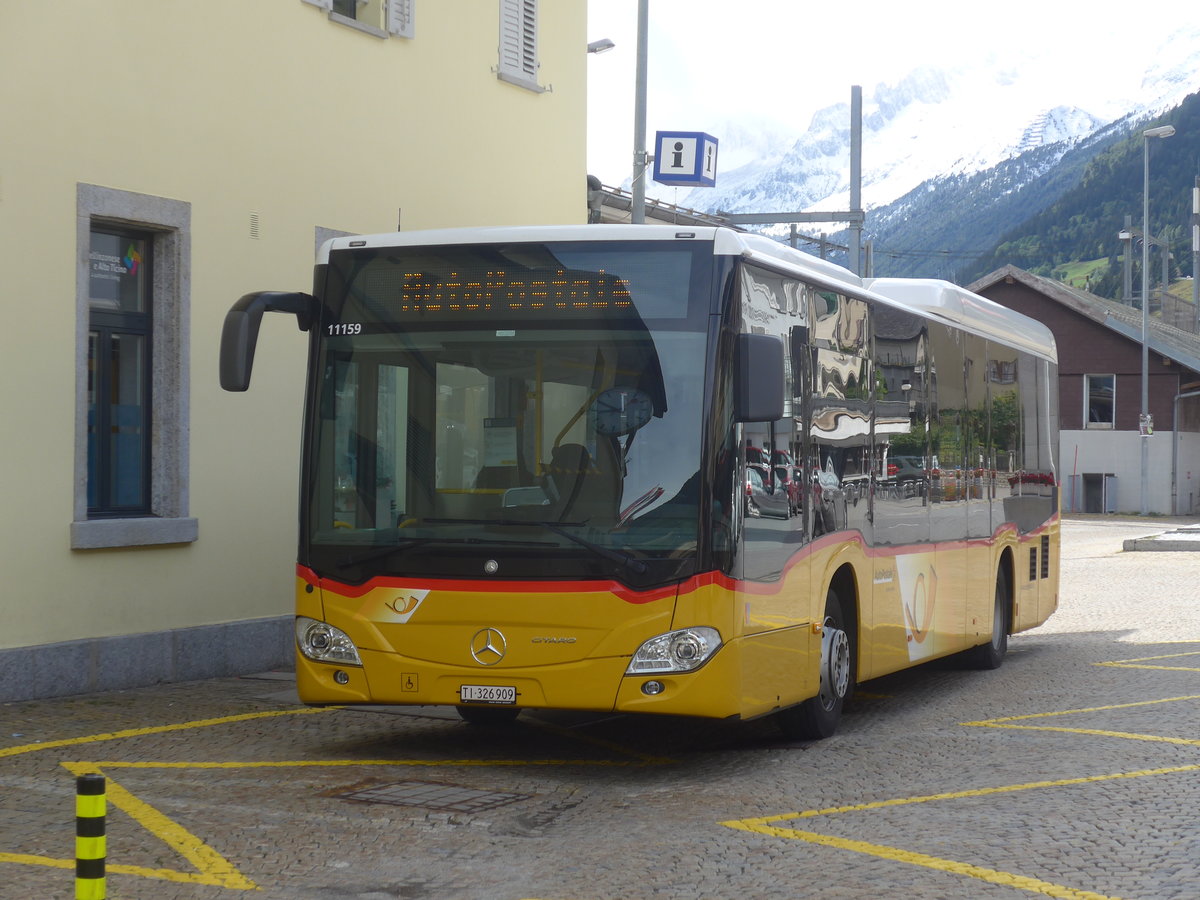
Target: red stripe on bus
x,y
628,595
488,586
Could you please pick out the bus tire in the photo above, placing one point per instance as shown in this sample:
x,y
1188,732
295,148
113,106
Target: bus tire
x,y
991,654
818,717
488,716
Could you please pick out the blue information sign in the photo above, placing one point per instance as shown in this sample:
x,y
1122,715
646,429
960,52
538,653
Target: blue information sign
x,y
685,158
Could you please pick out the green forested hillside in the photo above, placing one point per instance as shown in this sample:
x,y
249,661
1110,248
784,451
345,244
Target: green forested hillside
x,y
1082,225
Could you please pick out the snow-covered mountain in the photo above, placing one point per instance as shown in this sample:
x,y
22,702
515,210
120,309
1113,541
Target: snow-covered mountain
x,y
937,123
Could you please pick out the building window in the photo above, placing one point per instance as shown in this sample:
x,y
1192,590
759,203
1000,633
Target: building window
x,y
1099,401
377,17
518,43
1002,371
132,313
120,263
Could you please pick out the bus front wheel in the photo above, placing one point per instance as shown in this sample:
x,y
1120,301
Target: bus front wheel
x,y
818,717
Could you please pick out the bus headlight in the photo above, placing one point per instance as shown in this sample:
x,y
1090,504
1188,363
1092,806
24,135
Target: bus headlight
x,y
321,642
676,651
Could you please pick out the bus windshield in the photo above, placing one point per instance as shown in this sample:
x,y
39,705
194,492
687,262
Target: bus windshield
x,y
528,411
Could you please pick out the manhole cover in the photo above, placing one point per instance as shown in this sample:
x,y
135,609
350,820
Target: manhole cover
x,y
434,795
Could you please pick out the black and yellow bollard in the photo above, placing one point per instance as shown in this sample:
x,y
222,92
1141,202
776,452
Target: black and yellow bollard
x,y
90,848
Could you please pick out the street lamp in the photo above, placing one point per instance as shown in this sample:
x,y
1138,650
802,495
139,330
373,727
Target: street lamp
x,y
638,188
1162,131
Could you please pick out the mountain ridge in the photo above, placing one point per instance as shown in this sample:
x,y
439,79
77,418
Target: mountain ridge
x,y
964,155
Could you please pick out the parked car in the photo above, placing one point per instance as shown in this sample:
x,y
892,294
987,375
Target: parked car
x,y
756,456
906,468
829,502
760,456
789,478
765,496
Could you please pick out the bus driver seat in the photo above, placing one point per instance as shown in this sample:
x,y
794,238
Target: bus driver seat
x,y
583,489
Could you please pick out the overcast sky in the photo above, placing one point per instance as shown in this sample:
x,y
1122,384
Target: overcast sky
x,y
769,64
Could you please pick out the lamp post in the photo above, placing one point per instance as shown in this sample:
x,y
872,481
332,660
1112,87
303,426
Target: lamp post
x,y
1162,131
638,189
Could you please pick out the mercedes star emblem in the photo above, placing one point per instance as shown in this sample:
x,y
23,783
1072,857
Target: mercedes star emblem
x,y
488,646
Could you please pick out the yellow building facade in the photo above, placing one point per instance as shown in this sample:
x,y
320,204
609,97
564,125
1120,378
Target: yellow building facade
x,y
159,161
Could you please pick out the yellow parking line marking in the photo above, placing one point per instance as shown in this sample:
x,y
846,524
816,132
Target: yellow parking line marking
x,y
159,729
1134,663
111,868
1087,709
1006,722
213,868
763,825
994,876
345,763
1098,732
1144,658
1128,665
976,792
30,860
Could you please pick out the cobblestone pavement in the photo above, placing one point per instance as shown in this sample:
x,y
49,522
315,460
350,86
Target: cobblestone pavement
x,y
1072,771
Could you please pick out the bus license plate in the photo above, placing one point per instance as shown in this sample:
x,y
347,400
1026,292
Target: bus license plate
x,y
486,693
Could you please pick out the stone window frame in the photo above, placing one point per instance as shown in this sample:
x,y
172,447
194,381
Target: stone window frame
x,y
168,223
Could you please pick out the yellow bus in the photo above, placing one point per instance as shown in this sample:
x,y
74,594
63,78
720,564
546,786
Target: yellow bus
x,y
649,469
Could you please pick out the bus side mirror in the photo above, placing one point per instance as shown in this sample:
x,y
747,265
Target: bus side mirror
x,y
239,335
758,378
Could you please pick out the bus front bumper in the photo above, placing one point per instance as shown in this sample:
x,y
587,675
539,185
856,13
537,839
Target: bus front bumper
x,y
600,685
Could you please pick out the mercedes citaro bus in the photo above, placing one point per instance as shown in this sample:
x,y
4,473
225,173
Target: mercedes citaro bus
x,y
524,473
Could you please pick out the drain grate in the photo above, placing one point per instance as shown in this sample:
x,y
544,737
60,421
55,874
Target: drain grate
x,y
434,795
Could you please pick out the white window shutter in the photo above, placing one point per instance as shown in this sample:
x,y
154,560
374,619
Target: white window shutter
x,y
518,41
400,17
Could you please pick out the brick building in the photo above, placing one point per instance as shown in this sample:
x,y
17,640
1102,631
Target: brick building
x,y
1099,376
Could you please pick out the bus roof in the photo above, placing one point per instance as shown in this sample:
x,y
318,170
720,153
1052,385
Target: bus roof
x,y
940,300
518,234
966,310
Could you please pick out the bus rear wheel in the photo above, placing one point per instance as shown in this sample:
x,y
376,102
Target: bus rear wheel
x,y
818,717
991,654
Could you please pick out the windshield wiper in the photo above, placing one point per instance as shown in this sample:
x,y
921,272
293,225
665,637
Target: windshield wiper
x,y
617,556
409,543
383,553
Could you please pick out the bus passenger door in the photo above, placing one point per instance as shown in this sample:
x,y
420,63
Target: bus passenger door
x,y
838,469
979,487
950,488
904,575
